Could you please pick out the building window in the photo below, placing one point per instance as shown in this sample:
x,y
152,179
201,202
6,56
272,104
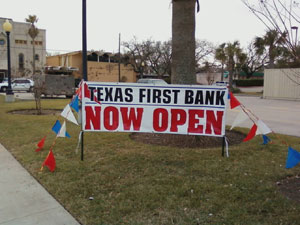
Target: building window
x,y
21,61
37,42
24,42
2,42
37,57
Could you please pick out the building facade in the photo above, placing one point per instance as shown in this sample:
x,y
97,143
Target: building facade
x,y
282,84
101,66
21,50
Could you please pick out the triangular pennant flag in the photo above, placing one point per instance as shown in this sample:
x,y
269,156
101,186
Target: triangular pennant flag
x,y
233,101
251,133
226,147
56,128
241,117
79,90
262,128
293,158
79,141
75,104
68,114
62,131
40,145
87,92
266,139
50,161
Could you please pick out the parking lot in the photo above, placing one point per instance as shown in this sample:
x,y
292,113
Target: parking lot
x,y
281,116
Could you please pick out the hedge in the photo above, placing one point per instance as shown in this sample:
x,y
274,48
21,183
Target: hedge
x,y
249,83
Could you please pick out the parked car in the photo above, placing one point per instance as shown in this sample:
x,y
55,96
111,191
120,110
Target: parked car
x,y
18,84
222,83
4,80
152,81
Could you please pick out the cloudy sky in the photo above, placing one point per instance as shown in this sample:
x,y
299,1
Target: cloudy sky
x,y
218,21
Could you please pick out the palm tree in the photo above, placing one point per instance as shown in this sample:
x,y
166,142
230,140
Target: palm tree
x,y
271,43
221,56
33,33
183,42
231,55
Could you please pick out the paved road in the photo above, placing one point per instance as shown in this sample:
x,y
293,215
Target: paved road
x,y
281,116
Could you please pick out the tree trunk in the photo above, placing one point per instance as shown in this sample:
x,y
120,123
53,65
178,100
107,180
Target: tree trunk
x,y
222,72
183,42
33,58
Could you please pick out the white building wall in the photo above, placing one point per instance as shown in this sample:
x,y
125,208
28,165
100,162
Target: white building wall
x,y
20,32
282,84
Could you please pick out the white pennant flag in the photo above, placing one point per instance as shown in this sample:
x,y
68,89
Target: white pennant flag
x,y
62,131
68,114
79,141
262,128
241,117
226,143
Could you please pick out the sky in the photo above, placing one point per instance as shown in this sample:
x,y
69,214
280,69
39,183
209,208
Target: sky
x,y
218,21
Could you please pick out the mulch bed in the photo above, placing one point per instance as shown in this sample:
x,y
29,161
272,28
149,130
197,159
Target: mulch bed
x,y
187,141
290,187
34,112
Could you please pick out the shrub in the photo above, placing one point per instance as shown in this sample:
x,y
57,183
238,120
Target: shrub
x,y
236,90
249,83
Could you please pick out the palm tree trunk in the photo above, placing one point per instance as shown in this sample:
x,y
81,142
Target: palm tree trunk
x,y
33,57
183,42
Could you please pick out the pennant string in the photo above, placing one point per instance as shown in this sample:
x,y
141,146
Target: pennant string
x,y
249,112
280,139
246,111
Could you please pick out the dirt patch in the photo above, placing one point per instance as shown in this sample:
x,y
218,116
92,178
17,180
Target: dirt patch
x,y
34,112
187,141
290,187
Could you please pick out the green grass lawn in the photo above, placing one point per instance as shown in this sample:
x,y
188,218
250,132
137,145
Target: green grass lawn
x,y
135,183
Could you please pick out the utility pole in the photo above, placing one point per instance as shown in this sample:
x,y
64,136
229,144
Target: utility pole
x,y
119,57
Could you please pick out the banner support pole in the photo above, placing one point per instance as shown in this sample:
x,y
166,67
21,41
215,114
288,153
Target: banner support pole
x,y
223,146
82,145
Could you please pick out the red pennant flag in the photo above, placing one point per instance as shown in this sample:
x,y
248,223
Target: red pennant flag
x,y
233,101
87,92
251,133
79,93
41,144
50,161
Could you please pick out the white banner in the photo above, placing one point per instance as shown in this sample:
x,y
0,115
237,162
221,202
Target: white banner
x,y
176,109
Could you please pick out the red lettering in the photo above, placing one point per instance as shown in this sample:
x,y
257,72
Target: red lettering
x,y
194,126
212,121
92,116
178,117
111,118
160,120
134,118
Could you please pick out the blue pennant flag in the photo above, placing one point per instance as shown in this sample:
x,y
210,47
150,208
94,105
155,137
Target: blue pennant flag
x,y
293,158
74,104
266,139
56,128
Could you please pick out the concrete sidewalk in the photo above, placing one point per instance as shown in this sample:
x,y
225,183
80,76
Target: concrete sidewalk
x,y
23,201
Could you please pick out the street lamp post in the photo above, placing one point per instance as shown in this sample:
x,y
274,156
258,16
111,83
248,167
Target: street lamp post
x,y
296,29
7,27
